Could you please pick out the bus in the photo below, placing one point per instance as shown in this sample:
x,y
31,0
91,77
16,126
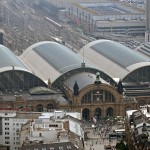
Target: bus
x,y
118,133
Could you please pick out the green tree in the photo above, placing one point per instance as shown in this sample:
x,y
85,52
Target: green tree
x,y
121,146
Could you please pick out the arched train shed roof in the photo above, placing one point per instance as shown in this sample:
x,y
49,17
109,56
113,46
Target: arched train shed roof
x,y
8,60
78,75
116,59
14,75
49,59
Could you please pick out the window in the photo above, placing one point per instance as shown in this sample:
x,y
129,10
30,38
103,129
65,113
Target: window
x,y
7,119
61,148
6,114
69,147
6,123
6,137
17,143
6,133
17,138
6,142
53,125
6,128
40,134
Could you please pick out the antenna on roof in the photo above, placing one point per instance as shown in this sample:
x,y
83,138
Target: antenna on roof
x,y
13,68
83,63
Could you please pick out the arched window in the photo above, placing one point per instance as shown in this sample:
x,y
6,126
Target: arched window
x,y
39,108
87,98
98,96
49,107
19,80
86,114
98,113
109,97
139,75
109,112
142,103
128,108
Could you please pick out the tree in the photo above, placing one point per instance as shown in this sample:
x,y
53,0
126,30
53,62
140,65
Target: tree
x,y
121,146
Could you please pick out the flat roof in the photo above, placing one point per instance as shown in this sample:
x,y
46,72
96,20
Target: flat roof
x,y
106,8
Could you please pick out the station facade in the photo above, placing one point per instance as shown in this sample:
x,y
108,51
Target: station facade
x,y
49,76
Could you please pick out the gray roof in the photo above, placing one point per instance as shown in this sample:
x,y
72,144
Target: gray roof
x,y
40,91
83,79
118,53
54,146
110,55
50,59
11,96
62,100
8,59
58,56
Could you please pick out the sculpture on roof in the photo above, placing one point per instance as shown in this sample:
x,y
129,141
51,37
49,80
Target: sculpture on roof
x,y
49,83
97,81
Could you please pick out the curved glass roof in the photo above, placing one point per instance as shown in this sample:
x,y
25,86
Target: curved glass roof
x,y
58,56
40,91
118,53
83,79
87,70
7,58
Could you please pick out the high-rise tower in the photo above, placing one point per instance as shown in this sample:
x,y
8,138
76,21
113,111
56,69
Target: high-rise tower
x,y
147,32
147,15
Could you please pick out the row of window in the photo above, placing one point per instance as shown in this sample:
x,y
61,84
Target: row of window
x,y
17,80
139,75
17,143
98,96
7,133
52,148
53,125
98,113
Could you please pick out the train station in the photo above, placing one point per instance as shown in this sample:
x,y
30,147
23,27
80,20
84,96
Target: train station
x,y
71,81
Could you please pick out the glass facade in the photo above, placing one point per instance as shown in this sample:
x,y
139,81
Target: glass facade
x,y
97,96
139,75
19,80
